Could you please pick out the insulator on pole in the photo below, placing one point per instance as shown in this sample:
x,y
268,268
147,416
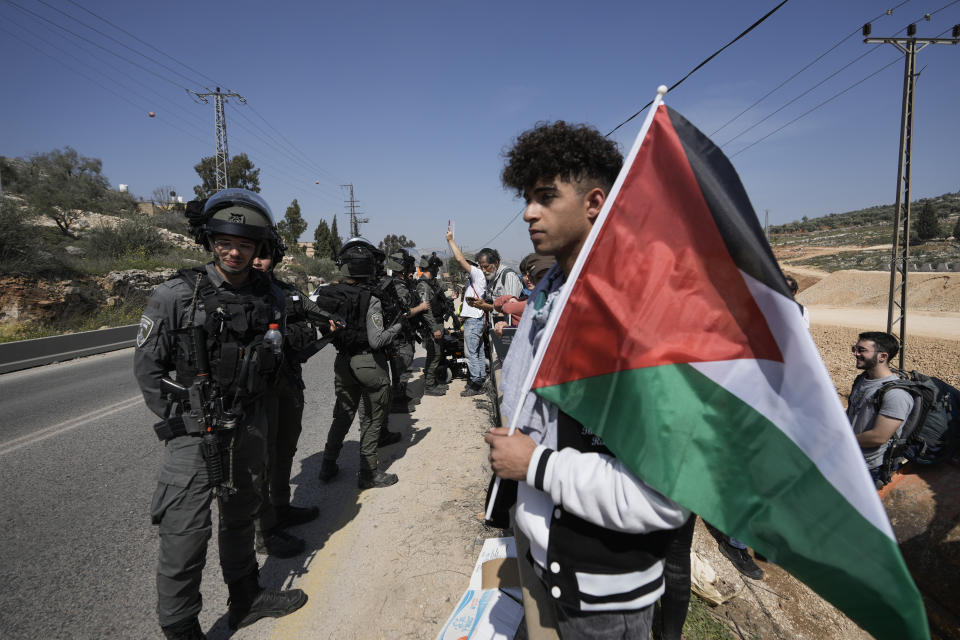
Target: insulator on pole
x,y
867,30
911,30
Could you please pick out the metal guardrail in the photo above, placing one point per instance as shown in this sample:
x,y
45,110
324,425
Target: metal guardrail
x,y
24,354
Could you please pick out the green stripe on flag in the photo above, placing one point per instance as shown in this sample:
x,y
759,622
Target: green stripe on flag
x,y
700,445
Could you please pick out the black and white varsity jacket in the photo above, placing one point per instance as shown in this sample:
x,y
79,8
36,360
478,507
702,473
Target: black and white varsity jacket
x,y
598,534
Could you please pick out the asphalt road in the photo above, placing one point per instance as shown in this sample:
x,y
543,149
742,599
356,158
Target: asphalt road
x,y
78,462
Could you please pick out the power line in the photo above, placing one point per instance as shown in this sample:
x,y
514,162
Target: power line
x,y
126,59
178,61
788,103
99,46
809,111
505,227
712,56
888,12
115,68
291,161
146,44
292,146
926,16
83,39
122,44
80,72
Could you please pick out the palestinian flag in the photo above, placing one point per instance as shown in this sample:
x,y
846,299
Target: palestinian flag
x,y
677,342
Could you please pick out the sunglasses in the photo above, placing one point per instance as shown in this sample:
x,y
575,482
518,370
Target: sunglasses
x,y
858,349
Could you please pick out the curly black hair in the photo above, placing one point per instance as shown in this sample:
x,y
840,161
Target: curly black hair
x,y
574,153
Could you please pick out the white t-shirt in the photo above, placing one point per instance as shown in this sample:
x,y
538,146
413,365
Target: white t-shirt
x,y
476,289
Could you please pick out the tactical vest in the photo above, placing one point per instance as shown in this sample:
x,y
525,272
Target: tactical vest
x,y
350,302
241,365
438,301
395,301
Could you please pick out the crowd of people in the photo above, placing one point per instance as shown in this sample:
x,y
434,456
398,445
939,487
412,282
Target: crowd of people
x,y
219,355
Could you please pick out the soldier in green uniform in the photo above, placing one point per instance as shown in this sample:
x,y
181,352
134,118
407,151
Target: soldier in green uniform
x,y
209,325
397,290
360,370
431,291
284,403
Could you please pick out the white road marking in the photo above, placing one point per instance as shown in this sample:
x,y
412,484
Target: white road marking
x,y
67,425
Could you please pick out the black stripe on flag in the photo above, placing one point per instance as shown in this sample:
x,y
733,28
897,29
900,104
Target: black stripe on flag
x,y
731,208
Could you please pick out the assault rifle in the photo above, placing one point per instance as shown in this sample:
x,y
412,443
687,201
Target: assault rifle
x,y
217,425
314,347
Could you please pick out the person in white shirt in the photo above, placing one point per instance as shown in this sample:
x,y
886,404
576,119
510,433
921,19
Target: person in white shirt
x,y
473,320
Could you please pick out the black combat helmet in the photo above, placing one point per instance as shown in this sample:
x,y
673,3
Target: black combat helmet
x,y
235,212
358,258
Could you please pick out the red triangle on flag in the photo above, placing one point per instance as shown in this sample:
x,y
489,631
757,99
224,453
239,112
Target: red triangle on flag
x,y
659,285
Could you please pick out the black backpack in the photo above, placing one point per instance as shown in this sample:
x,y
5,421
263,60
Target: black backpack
x,y
931,432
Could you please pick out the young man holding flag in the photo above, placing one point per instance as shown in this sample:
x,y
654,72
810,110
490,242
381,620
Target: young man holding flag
x,y
597,533
678,347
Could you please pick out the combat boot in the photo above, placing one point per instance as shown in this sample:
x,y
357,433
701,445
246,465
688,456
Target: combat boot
x,y
249,602
375,479
278,544
291,516
328,470
388,438
435,390
188,629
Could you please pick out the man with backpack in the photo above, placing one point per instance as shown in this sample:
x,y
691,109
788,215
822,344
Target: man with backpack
x,y
874,424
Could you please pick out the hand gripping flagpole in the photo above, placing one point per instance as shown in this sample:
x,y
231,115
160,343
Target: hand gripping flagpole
x,y
567,288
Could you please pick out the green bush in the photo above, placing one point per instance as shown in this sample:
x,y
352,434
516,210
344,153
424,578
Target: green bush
x,y
27,249
135,237
172,257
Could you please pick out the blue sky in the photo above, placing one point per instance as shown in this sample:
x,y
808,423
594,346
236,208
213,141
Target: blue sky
x,y
414,102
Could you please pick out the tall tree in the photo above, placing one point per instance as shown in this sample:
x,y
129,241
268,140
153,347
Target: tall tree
x,y
59,184
392,243
240,173
928,223
335,240
321,240
292,226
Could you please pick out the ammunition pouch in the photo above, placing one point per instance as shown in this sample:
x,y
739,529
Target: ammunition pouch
x,y
176,426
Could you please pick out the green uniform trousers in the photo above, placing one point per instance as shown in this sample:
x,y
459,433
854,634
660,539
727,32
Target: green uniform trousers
x,y
434,355
181,510
360,378
284,408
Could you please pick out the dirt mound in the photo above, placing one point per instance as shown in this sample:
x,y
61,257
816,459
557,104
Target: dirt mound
x,y
925,291
805,277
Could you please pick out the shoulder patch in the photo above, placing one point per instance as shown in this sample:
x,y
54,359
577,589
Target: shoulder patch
x,y
146,327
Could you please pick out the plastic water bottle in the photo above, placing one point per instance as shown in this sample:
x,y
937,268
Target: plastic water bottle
x,y
274,339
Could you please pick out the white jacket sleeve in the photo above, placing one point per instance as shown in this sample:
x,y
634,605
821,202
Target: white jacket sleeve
x,y
599,489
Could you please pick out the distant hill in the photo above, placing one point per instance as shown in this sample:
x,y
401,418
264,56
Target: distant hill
x,y
863,238
947,207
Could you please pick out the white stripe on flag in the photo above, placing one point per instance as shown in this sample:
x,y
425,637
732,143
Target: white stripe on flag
x,y
799,397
